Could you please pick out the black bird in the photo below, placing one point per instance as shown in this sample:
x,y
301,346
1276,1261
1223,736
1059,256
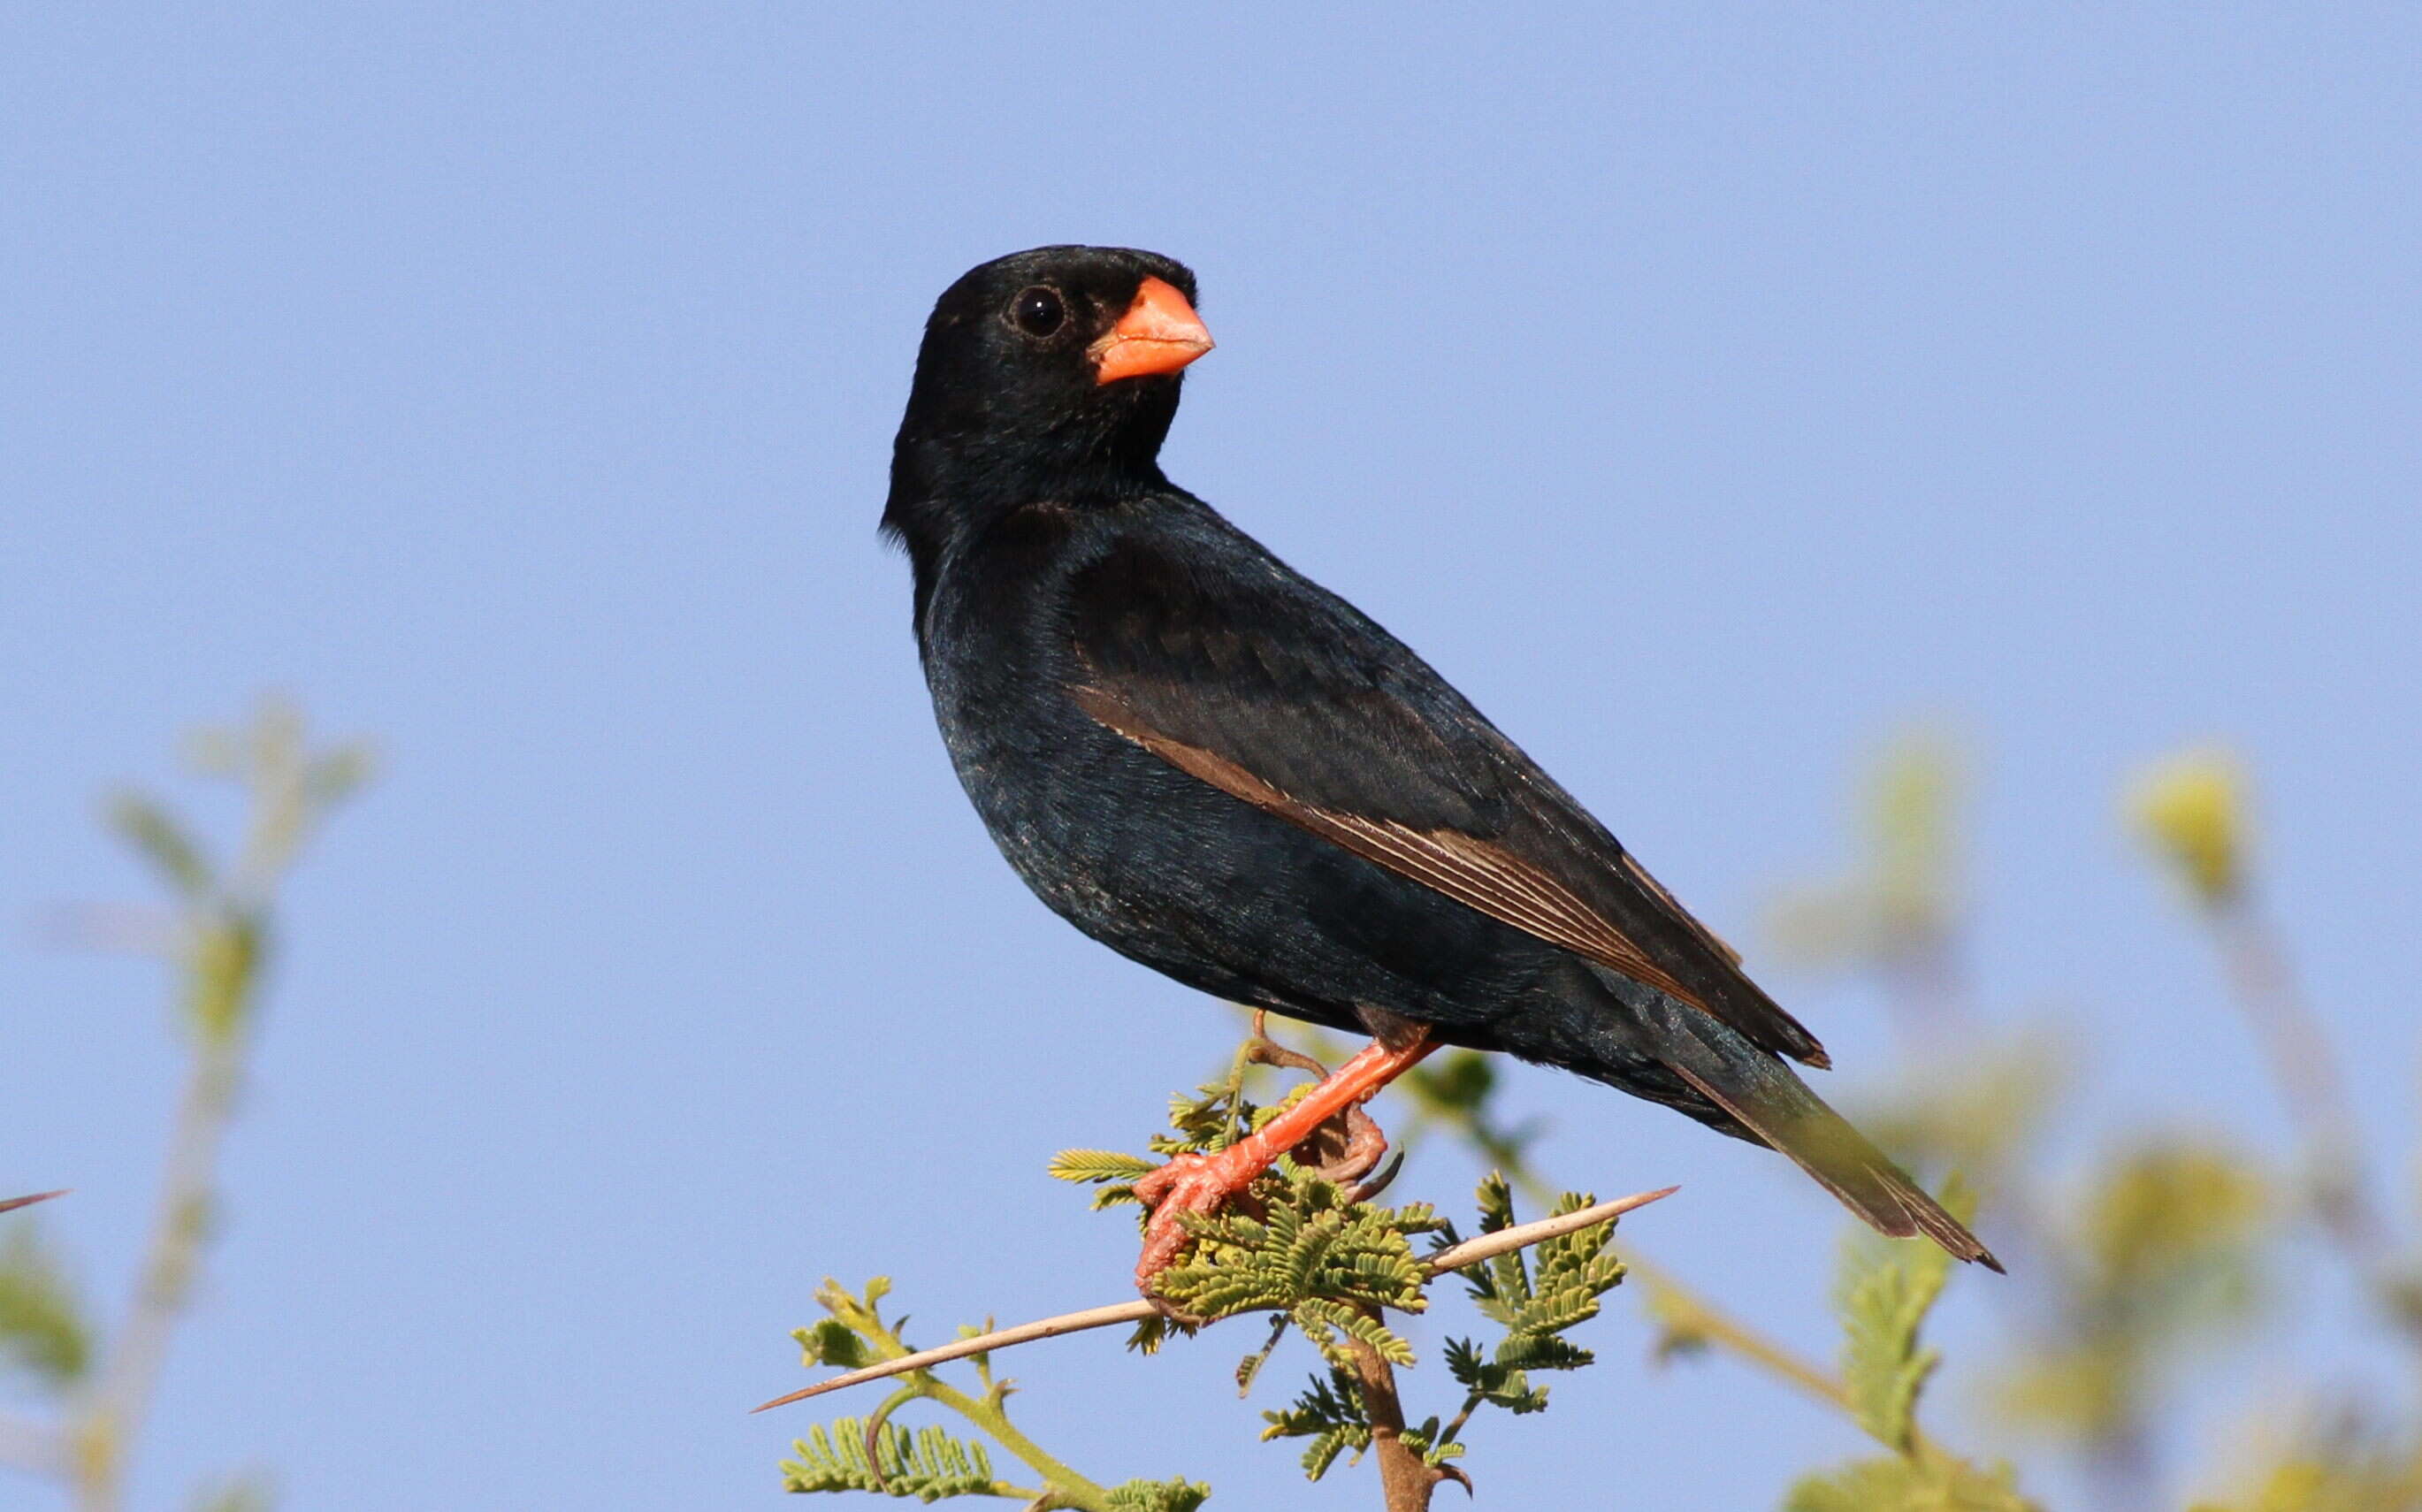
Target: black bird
x,y
1222,770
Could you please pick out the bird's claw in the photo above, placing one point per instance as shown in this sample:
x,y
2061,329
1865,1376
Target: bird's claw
x,y
1187,1184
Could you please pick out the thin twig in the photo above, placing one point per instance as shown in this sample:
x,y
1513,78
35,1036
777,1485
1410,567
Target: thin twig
x,y
1471,1252
2297,1049
115,1413
15,1202
1684,1313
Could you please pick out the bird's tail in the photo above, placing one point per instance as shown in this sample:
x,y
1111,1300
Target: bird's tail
x,y
1768,1099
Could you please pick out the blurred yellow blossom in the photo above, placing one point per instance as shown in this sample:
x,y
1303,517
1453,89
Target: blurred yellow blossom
x,y
2192,809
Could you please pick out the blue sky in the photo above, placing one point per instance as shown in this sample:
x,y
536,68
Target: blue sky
x,y
1704,389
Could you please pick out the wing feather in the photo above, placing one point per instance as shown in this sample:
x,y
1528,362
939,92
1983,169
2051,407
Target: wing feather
x,y
1274,691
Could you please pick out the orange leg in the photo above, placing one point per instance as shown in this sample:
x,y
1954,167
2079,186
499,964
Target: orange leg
x,y
1202,1183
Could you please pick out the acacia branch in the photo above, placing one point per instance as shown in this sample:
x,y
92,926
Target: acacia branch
x,y
1406,1481
1470,1252
113,1416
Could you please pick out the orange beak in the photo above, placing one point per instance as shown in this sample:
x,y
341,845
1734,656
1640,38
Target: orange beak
x,y
1159,333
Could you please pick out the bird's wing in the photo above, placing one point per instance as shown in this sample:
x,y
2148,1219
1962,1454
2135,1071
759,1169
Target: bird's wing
x,y
1273,690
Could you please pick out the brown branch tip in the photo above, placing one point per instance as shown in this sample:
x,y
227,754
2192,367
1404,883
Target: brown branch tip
x,y
1470,1252
13,1203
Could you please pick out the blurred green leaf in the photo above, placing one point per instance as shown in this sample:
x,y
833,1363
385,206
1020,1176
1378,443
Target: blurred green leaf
x,y
1913,825
338,775
158,837
1904,1485
1901,897
2169,1212
1458,1091
2164,1253
2344,1469
1459,1082
1976,1114
42,1330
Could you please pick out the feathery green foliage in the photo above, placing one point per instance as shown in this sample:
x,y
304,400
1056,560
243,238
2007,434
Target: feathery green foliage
x,y
1295,1246
928,1464
1884,1294
1328,1265
1098,1166
1555,1288
1332,1414
1179,1495
1535,1301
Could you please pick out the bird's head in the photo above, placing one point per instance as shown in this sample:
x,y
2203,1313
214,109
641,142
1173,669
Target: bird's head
x,y
1048,374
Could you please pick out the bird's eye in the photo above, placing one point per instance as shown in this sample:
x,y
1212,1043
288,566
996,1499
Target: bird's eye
x,y
1038,311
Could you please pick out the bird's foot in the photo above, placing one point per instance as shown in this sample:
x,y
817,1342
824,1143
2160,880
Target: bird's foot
x,y
1204,1183
1191,1184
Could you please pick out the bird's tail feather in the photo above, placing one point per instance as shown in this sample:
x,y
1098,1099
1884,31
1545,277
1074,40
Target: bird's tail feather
x,y
1768,1099
1846,1164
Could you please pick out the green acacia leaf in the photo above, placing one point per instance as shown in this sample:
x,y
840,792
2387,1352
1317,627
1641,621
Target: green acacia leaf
x,y
1178,1495
1886,1296
929,1464
831,1342
1098,1166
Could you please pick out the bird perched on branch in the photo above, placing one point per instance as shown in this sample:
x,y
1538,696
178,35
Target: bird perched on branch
x,y
1222,770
